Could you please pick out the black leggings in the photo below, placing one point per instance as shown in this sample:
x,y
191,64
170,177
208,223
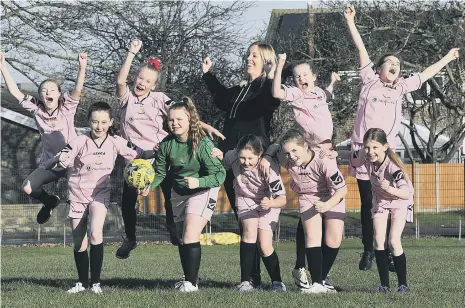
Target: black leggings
x,y
366,197
229,188
128,206
40,177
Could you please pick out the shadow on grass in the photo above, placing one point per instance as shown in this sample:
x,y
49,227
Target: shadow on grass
x,y
117,282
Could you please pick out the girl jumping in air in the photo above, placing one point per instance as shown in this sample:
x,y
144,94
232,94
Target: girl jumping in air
x,y
54,117
90,159
311,111
259,203
321,189
143,113
379,105
392,198
196,180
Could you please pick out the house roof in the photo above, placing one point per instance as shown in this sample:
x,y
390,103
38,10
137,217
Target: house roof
x,y
9,102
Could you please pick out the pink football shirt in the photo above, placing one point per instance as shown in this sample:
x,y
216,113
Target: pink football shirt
x,y
311,113
56,128
89,166
319,180
389,171
250,184
142,121
380,104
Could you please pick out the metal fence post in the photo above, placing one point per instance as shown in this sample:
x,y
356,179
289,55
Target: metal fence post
x,y
436,185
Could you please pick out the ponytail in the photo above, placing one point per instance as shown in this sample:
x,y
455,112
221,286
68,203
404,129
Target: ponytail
x,y
398,162
377,134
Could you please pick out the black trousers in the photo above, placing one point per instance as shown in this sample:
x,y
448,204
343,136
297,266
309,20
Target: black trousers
x,y
40,177
128,206
364,188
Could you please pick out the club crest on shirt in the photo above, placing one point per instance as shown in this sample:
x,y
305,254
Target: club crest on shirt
x,y
276,186
211,204
140,109
99,160
337,178
398,175
52,122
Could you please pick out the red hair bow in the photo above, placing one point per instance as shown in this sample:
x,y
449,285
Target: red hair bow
x,y
154,62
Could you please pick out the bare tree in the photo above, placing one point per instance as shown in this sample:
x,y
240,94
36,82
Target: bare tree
x,y
420,32
42,38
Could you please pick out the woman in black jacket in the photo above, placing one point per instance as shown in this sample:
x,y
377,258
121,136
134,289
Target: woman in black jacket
x,y
249,109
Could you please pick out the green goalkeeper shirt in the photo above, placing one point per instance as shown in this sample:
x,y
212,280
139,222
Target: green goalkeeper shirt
x,y
175,156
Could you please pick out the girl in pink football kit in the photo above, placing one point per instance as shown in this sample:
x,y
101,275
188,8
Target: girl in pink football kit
x,y
321,189
90,159
379,105
54,117
392,197
259,201
143,113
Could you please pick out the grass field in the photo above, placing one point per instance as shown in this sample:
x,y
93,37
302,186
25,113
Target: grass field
x,y
39,277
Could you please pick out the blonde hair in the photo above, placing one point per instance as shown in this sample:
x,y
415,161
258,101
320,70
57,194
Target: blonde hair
x,y
196,133
266,53
378,135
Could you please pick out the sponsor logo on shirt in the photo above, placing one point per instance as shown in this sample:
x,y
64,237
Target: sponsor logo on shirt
x,y
211,204
337,178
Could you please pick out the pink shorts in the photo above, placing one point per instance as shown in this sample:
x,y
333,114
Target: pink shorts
x,y
405,212
307,209
249,208
79,209
357,160
202,204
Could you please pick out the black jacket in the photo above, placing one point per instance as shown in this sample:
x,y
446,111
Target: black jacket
x,y
249,108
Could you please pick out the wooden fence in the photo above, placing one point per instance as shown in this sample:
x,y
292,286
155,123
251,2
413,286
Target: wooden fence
x,y
438,187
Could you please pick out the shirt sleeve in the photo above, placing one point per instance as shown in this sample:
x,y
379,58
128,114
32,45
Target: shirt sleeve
x,y
127,149
367,73
410,84
215,172
222,96
72,148
160,164
275,181
123,99
334,178
291,94
30,103
70,104
229,158
165,104
397,176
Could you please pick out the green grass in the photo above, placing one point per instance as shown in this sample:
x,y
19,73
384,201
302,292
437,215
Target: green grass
x,y
39,277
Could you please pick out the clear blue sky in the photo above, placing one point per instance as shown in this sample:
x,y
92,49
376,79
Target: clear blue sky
x,y
256,18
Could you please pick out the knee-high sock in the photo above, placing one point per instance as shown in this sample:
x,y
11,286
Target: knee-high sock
x,y
315,262
272,266
329,256
82,265
247,255
383,266
96,262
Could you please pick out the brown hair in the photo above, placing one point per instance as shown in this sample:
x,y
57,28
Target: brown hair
x,y
377,134
196,133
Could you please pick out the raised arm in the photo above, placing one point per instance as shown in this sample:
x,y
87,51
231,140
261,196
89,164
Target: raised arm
x,y
134,48
349,14
277,91
432,70
334,78
9,81
76,94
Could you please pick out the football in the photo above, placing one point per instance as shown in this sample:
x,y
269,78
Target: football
x,y
139,173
